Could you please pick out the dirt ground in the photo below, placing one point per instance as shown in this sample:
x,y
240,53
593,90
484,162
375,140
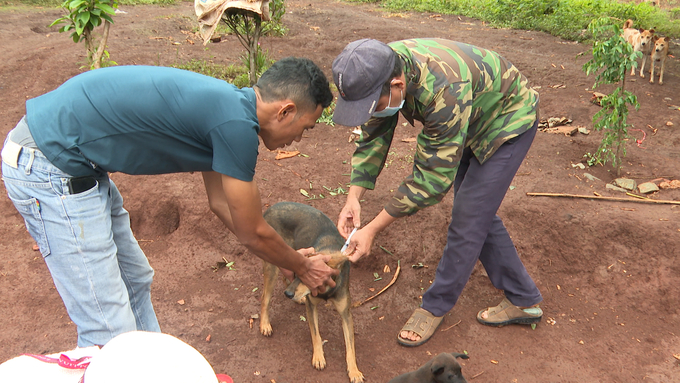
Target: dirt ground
x,y
608,270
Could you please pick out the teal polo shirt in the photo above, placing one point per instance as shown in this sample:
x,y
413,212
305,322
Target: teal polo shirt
x,y
146,120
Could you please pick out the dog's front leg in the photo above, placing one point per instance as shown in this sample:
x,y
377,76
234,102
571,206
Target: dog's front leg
x,y
342,306
663,65
642,67
270,272
651,76
318,359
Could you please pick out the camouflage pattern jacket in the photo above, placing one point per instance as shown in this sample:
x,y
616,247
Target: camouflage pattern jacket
x,y
464,96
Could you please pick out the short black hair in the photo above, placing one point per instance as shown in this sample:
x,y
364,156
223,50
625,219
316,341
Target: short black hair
x,y
297,79
396,72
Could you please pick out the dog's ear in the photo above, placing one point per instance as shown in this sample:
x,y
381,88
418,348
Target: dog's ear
x,y
437,369
652,31
462,356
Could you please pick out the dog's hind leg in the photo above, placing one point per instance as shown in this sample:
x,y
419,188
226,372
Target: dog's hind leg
x,y
318,359
270,272
342,306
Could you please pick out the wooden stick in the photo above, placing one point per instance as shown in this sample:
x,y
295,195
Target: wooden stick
x,y
394,279
454,325
604,198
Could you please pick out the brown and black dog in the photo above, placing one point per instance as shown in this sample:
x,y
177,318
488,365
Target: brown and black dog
x,y
641,40
443,368
303,226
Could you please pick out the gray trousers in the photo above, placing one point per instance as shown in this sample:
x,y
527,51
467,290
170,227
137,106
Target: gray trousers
x,y
476,232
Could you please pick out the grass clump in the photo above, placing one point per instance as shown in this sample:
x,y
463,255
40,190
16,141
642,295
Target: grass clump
x,y
568,19
57,3
234,74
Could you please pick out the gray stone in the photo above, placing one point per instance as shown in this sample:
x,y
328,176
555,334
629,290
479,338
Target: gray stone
x,y
626,183
591,177
648,187
615,188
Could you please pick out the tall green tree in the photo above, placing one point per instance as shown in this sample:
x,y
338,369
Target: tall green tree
x,y
612,58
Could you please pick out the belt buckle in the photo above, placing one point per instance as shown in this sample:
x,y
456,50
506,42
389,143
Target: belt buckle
x,y
10,154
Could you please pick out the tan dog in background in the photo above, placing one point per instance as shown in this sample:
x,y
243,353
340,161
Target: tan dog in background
x,y
659,54
642,40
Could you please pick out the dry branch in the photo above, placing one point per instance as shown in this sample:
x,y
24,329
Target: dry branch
x,y
604,198
394,279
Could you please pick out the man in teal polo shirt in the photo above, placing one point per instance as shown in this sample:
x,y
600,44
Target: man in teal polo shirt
x,y
150,120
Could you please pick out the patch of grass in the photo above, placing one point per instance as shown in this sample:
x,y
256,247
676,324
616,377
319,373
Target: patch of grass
x,y
568,19
234,74
148,2
57,3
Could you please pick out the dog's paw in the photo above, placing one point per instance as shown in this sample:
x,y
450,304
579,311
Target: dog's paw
x,y
319,361
356,376
266,329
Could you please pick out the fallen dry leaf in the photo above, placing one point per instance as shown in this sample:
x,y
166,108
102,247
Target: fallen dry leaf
x,y
597,97
494,361
207,338
410,139
281,154
386,269
181,301
676,356
36,247
566,130
669,123
674,184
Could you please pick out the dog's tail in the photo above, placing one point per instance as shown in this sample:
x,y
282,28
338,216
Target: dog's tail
x,y
628,24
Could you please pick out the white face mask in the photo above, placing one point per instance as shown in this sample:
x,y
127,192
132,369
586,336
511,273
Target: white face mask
x,y
390,110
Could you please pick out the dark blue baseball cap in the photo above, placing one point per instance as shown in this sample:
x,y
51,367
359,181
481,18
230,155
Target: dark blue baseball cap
x,y
359,72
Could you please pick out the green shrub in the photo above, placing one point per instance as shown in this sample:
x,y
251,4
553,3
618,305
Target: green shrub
x,y
568,19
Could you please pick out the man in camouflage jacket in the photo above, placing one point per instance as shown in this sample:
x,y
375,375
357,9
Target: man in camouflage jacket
x,y
479,118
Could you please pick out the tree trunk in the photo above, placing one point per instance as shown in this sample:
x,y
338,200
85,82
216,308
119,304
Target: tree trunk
x,y
252,50
97,59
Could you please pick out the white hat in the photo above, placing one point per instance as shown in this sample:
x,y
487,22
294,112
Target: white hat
x,y
142,357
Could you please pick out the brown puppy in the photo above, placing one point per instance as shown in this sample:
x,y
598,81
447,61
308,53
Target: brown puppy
x,y
443,368
303,226
641,40
659,54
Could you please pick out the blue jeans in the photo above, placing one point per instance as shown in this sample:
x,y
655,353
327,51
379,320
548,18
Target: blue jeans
x,y
98,268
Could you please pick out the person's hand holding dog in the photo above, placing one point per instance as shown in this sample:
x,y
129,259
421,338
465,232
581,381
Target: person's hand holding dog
x,y
317,274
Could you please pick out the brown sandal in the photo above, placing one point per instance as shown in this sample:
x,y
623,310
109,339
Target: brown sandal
x,y
421,322
507,313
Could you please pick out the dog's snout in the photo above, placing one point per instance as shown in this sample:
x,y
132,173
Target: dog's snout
x,y
289,294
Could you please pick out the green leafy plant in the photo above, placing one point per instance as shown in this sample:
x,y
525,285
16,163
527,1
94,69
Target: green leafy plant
x,y
612,58
84,16
248,27
327,115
